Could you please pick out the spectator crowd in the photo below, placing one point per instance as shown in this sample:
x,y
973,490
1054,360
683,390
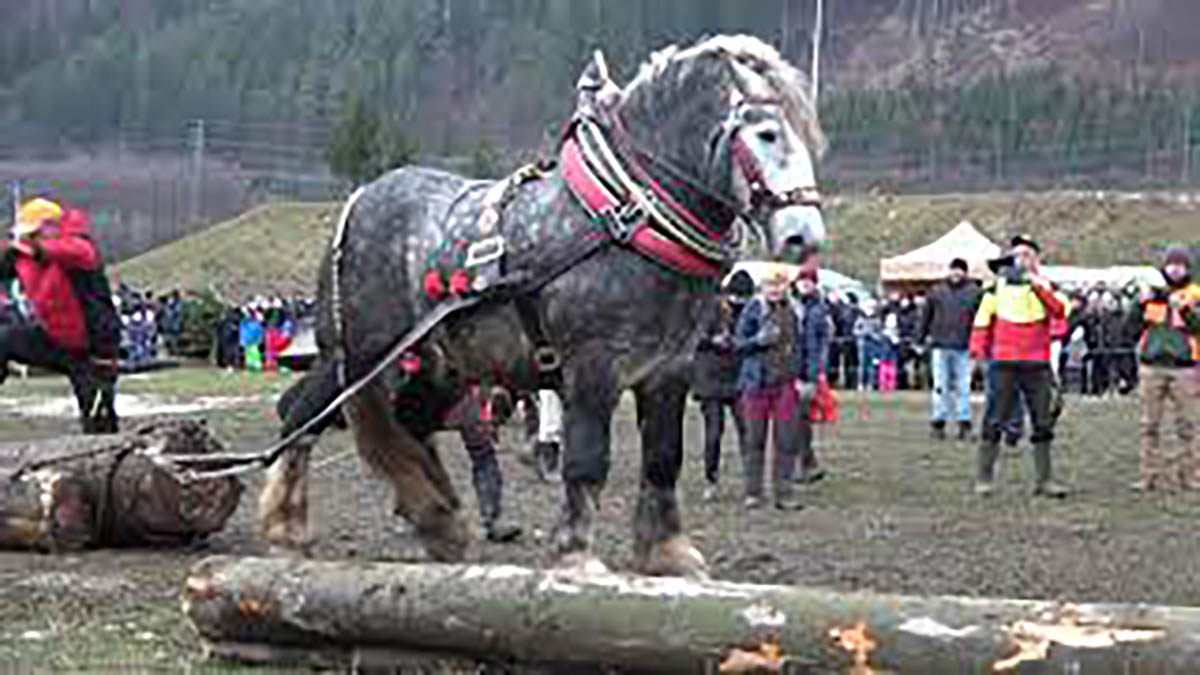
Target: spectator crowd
x,y
250,336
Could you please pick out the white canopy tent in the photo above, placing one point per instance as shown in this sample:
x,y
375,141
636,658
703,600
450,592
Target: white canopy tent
x,y
931,262
1116,276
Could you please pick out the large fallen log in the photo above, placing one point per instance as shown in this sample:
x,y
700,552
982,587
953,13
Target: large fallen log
x,y
338,614
97,491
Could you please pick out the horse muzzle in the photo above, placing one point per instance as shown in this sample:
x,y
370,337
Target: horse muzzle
x,y
795,228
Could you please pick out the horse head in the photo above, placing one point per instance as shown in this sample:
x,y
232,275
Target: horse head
x,y
728,128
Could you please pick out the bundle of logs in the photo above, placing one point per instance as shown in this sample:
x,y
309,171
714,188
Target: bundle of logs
x,y
109,491
590,620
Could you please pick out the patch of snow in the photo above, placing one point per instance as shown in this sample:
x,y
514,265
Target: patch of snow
x,y
764,615
77,582
128,405
928,627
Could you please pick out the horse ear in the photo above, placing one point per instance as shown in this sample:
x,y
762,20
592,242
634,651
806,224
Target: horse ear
x,y
601,65
747,79
597,92
595,74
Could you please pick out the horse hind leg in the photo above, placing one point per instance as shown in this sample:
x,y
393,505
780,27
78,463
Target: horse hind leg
x,y
283,502
424,495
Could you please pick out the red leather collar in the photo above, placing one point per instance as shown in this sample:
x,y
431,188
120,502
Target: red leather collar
x,y
645,239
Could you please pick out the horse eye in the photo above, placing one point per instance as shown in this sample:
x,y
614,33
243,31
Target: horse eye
x,y
767,136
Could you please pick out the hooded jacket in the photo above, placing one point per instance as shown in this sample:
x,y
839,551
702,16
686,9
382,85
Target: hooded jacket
x,y
755,336
47,280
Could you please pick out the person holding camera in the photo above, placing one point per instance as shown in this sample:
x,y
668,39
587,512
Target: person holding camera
x,y
1013,328
1169,350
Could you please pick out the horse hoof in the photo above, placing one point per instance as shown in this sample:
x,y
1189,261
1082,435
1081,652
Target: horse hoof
x,y
675,557
447,542
582,563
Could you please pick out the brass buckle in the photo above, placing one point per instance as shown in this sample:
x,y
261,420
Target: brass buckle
x,y
622,220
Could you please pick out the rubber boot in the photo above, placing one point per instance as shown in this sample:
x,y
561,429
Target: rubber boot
x,y
785,496
753,461
937,430
964,430
1046,486
489,488
989,451
548,458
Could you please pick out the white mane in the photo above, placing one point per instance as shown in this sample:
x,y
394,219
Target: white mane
x,y
787,82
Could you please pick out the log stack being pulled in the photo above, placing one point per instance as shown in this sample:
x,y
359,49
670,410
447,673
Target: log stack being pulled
x,y
99,491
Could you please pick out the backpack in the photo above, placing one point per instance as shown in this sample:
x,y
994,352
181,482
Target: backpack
x,y
100,316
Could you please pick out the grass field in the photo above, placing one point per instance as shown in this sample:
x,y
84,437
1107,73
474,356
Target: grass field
x,y
277,248
896,515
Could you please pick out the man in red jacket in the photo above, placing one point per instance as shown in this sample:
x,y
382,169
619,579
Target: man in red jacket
x,y
49,270
1013,326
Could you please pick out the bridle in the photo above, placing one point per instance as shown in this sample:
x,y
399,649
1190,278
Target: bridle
x,y
762,200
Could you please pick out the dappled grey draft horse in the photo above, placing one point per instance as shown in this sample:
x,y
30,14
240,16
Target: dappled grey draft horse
x,y
654,181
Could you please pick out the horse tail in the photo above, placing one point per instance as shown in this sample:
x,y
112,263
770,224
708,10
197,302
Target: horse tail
x,y
307,398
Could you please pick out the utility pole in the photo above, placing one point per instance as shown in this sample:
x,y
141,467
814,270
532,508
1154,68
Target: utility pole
x,y
14,191
1186,171
197,167
785,25
816,52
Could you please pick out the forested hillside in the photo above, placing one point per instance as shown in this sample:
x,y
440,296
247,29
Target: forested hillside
x,y
914,91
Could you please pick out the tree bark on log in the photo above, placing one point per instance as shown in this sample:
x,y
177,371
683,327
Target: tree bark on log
x,y
578,620
110,490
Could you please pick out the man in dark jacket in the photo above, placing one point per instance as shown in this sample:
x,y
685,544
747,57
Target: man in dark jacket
x,y
714,378
946,324
783,343
848,315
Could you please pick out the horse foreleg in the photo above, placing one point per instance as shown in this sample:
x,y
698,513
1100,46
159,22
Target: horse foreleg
x,y
587,418
660,547
424,495
283,502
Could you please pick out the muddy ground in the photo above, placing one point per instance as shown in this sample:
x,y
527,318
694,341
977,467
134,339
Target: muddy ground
x,y
896,515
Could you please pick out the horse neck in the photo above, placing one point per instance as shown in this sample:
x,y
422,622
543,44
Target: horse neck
x,y
684,149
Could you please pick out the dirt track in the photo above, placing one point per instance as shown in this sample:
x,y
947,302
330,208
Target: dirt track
x,y
896,515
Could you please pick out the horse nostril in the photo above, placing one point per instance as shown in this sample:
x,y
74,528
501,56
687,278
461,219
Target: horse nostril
x,y
767,136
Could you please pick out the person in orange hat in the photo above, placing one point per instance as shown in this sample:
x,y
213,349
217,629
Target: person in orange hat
x,y
67,322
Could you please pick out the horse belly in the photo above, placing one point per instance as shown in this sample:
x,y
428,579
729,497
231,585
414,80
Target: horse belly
x,y
492,348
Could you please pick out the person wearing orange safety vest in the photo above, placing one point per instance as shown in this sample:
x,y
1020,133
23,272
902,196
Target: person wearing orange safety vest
x,y
1013,328
1169,351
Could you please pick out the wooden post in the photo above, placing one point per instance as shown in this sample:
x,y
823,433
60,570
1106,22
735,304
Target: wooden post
x,y
340,613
